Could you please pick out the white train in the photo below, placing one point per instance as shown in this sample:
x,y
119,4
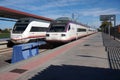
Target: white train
x,y
65,30
27,29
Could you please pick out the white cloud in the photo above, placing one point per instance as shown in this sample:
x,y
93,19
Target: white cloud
x,y
23,5
53,6
57,8
93,12
98,11
41,5
59,3
16,2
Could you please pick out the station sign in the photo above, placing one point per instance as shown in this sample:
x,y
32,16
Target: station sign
x,y
107,17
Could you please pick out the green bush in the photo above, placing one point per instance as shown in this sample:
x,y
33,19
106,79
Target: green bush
x,y
4,35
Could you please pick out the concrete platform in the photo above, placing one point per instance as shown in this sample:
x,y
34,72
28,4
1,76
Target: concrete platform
x,y
84,59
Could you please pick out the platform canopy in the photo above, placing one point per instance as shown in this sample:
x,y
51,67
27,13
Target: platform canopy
x,y
15,14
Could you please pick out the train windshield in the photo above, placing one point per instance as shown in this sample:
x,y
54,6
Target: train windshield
x,y
57,28
19,28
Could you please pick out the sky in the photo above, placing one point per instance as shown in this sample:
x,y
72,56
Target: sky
x,y
85,11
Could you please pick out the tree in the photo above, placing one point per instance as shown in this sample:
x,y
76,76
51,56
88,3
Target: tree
x,y
0,29
6,30
105,25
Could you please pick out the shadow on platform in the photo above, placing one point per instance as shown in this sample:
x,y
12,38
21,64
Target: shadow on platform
x,y
70,72
91,56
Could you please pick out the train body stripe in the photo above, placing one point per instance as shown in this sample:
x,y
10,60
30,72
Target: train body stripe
x,y
29,37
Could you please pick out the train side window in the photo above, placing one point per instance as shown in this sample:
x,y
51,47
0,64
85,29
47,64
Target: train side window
x,y
38,29
81,30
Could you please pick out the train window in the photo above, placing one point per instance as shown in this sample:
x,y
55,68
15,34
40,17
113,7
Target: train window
x,y
81,30
57,29
38,29
89,30
19,28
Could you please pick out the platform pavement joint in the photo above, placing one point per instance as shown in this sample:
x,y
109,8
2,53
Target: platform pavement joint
x,y
113,49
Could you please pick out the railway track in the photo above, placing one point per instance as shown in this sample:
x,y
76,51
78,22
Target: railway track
x,y
6,50
5,56
9,50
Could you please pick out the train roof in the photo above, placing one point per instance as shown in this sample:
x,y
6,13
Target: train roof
x,y
67,19
64,18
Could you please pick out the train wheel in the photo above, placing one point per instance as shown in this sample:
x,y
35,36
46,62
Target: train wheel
x,y
10,44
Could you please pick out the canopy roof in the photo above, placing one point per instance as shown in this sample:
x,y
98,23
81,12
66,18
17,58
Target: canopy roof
x,y
15,14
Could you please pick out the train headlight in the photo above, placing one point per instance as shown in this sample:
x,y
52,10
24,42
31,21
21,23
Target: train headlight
x,y
63,35
47,35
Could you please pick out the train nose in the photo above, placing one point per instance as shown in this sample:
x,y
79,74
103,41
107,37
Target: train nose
x,y
16,36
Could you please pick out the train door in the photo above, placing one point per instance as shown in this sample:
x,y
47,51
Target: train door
x,y
71,31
